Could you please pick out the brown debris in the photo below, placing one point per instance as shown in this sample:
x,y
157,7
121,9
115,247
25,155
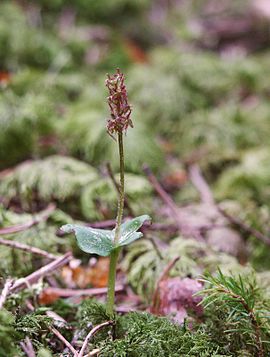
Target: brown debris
x,y
176,297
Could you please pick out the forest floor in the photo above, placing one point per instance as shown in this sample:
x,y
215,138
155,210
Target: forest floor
x,y
197,162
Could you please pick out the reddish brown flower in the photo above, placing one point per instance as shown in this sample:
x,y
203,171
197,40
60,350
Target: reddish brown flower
x,y
118,103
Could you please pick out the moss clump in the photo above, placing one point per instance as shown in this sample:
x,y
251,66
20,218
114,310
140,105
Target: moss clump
x,y
143,334
7,333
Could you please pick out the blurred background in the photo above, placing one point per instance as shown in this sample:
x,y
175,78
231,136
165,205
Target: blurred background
x,y
198,79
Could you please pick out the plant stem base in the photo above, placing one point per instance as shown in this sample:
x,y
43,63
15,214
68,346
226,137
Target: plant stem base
x,y
111,283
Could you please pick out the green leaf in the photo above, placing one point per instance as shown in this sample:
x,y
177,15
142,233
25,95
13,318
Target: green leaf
x,y
128,232
91,240
100,241
134,236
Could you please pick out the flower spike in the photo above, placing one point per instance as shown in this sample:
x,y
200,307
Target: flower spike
x,y
118,103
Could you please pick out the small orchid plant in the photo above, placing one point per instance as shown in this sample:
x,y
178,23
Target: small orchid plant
x,y
106,242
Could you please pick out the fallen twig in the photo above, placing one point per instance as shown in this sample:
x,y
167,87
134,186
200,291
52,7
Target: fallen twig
x,y
28,348
185,229
58,320
156,247
79,292
42,216
125,309
5,292
53,315
27,248
163,276
163,194
206,196
43,271
65,342
91,334
200,184
92,353
245,227
168,268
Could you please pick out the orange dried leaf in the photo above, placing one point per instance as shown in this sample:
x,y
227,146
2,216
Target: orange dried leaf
x,y
47,298
175,179
4,77
176,298
81,276
135,53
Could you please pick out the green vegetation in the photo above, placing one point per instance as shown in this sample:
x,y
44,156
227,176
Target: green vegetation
x,y
197,75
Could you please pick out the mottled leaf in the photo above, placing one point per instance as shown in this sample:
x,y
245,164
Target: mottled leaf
x,y
132,237
128,232
100,241
91,240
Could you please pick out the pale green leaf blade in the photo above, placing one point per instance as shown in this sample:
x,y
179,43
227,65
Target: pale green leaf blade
x,y
130,227
132,237
91,240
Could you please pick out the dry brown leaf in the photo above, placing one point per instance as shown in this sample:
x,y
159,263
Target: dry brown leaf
x,y
5,78
175,179
83,276
135,52
176,298
47,298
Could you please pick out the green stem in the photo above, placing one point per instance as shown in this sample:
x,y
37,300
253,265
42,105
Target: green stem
x,y
111,282
115,253
121,189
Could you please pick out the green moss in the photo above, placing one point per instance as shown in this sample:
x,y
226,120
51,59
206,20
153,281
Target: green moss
x,y
237,313
8,334
143,334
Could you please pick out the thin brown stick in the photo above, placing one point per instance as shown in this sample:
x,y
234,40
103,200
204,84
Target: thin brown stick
x,y
91,334
168,268
42,216
200,184
79,292
125,309
245,227
65,342
103,224
162,193
185,229
59,320
170,228
54,330
43,271
92,353
27,248
206,195
5,292
156,247
117,187
154,308
28,348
